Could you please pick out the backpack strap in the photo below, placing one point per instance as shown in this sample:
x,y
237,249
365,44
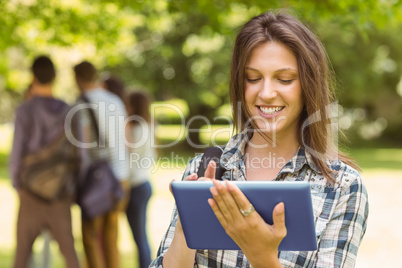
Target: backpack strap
x,y
211,153
92,117
102,139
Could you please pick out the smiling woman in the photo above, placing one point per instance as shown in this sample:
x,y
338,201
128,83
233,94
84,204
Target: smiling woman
x,y
281,100
272,90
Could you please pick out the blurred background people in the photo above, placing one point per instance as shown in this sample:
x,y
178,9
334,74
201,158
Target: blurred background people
x,y
46,254
114,85
142,155
100,234
39,121
28,92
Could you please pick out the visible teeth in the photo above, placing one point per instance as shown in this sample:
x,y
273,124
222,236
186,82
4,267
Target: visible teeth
x,y
270,110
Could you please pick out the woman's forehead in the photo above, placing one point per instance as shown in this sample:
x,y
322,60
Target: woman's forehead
x,y
272,56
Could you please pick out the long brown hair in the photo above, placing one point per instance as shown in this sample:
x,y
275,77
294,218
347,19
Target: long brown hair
x,y
138,103
316,80
115,85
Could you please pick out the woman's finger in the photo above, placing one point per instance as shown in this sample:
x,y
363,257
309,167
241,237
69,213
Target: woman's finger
x,y
191,177
170,186
210,171
218,213
218,192
241,200
231,203
278,217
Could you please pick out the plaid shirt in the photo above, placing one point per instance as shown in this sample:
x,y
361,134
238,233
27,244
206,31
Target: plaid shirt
x,y
340,212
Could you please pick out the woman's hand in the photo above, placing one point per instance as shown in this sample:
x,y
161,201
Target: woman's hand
x,y
208,175
258,240
178,254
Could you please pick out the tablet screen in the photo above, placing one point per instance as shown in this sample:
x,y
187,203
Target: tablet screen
x,y
203,230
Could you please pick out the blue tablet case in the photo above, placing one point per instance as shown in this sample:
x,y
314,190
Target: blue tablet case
x,y
203,230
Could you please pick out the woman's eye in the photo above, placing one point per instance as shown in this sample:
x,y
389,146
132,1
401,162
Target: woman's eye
x,y
252,80
285,81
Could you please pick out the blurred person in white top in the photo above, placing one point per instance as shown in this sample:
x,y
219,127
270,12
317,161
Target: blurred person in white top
x,y
142,157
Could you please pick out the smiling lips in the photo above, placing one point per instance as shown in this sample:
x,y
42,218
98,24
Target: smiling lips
x,y
271,110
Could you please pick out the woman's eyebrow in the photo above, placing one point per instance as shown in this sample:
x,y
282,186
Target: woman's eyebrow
x,y
276,71
251,69
286,70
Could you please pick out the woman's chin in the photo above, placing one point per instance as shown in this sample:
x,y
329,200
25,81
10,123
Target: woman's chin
x,y
268,129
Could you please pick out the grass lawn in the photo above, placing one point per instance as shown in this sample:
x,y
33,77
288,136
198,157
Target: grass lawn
x,y
378,158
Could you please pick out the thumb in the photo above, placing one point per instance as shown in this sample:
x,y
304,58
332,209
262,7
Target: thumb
x,y
210,171
170,186
278,216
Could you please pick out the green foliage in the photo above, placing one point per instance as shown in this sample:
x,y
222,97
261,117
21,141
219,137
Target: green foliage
x,y
6,139
181,49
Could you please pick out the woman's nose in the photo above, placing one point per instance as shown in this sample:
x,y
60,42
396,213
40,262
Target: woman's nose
x,y
268,90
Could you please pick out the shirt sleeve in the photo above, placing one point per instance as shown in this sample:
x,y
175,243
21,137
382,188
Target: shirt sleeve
x,y
168,237
344,232
19,147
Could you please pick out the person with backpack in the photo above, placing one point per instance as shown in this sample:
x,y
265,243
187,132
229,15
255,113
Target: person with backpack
x,y
39,122
281,99
46,254
103,130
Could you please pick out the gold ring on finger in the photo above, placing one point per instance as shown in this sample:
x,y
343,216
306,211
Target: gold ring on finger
x,y
248,211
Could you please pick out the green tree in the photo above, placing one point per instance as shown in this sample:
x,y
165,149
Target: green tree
x,y
182,48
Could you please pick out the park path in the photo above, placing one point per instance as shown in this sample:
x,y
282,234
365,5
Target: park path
x,y
381,247
382,244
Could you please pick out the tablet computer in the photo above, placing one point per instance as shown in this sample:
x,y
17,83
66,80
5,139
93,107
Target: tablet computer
x,y
202,229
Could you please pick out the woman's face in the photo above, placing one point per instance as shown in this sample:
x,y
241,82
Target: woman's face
x,y
272,89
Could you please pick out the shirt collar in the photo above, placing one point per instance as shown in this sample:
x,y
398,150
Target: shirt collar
x,y
301,158
235,150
